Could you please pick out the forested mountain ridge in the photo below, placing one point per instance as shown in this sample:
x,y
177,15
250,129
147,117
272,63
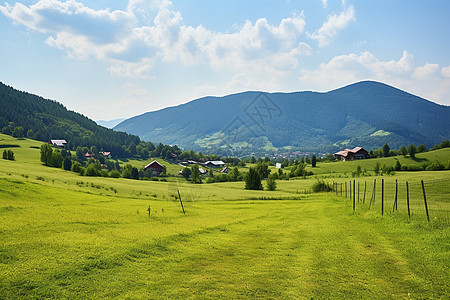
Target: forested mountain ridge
x,y
43,119
366,114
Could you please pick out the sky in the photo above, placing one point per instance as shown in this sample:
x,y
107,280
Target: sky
x,y
118,59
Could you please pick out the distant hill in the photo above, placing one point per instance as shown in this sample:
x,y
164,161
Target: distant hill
x,y
366,114
43,119
110,123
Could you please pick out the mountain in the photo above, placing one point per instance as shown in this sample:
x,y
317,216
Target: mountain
x,y
110,123
366,114
43,119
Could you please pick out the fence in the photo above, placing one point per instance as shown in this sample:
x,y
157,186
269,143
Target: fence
x,y
428,200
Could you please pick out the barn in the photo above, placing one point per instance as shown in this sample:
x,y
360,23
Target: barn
x,y
352,154
155,167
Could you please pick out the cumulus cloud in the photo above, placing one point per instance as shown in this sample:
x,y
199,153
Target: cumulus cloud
x,y
133,40
333,25
425,81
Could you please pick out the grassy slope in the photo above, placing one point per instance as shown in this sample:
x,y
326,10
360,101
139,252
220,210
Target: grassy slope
x,y
441,155
58,237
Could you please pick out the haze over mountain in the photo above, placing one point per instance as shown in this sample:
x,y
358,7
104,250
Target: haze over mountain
x,y
366,114
110,123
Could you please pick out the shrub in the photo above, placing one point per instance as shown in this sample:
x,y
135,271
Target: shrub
x,y
321,186
91,171
271,183
114,174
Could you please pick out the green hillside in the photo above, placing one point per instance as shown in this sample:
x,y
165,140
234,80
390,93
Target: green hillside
x,y
68,236
365,114
24,114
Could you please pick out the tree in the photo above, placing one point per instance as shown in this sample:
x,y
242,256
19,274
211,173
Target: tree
x,y
412,150
385,150
11,155
46,154
421,148
5,154
195,174
79,153
403,150
30,134
56,159
18,132
271,183
186,173
358,170
253,180
377,168
314,161
67,164
134,173
263,169
76,167
91,171
234,174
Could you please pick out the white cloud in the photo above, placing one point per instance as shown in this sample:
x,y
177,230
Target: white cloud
x,y
426,71
333,25
133,40
325,3
344,69
446,72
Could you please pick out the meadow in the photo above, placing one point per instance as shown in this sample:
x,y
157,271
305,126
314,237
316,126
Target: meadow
x,y
68,236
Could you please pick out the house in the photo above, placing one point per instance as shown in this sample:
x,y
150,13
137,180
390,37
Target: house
x,y
352,154
215,164
155,167
89,155
106,154
224,170
58,143
202,171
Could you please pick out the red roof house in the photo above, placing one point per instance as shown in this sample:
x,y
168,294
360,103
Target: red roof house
x,y
352,154
155,167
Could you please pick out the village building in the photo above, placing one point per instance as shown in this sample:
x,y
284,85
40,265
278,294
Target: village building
x,y
58,143
202,171
352,154
155,167
224,170
215,164
89,155
106,154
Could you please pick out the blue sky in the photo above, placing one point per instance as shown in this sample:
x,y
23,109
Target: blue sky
x,y
113,59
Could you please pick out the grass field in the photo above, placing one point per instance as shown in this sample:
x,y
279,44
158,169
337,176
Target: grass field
x,y
67,236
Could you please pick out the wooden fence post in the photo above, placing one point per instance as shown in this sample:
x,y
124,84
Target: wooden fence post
x,y
425,201
181,202
358,192
353,195
382,196
341,189
373,193
346,189
365,186
407,199
394,207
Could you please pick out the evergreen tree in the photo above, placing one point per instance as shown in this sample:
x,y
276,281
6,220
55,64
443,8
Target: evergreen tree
x,y
46,154
385,150
195,174
5,154
11,155
253,180
271,183
314,161
67,163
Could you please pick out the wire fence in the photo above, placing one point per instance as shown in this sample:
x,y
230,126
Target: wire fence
x,y
420,200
